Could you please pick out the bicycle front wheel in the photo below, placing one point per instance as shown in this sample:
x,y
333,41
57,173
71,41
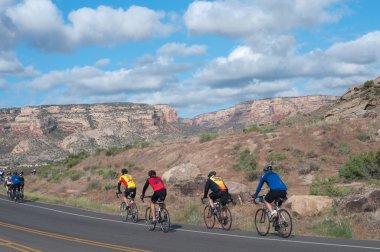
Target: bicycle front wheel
x,y
209,217
262,222
123,211
284,222
165,220
134,212
225,218
149,219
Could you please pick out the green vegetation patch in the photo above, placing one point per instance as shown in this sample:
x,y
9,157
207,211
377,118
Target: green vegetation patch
x,y
362,166
256,128
341,229
275,156
190,215
247,163
326,187
74,159
207,137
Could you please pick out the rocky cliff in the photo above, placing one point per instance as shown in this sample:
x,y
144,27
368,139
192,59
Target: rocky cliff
x,y
261,111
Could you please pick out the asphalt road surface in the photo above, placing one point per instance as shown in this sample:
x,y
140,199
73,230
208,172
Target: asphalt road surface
x,y
34,227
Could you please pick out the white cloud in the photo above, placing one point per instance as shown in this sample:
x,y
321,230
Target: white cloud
x,y
42,24
102,62
181,50
3,84
244,18
10,65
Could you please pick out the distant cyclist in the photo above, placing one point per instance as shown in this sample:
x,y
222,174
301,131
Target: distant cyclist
x,y
8,182
16,182
22,181
158,188
276,185
218,190
1,175
130,186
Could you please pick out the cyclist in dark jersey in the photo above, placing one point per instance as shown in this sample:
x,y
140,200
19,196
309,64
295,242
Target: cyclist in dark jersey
x,y
276,185
158,188
218,190
16,182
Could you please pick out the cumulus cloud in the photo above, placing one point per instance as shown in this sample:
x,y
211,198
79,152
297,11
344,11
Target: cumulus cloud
x,y
181,50
42,24
10,65
102,62
244,18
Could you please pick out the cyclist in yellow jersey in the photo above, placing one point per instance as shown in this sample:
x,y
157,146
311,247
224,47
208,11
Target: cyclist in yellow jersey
x,y
130,186
218,190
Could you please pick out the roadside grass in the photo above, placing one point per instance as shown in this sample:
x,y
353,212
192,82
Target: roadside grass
x,y
327,187
334,228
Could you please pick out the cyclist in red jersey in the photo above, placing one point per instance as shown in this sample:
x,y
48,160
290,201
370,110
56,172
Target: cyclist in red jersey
x,y
158,188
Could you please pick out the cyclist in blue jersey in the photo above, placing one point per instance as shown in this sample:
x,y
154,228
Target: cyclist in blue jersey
x,y
16,182
276,185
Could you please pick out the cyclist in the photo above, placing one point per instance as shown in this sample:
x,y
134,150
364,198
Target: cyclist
x,y
1,175
277,188
16,182
218,190
22,182
8,182
158,188
130,186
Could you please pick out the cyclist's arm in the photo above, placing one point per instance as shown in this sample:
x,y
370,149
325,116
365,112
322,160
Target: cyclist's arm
x,y
258,189
144,188
207,188
118,187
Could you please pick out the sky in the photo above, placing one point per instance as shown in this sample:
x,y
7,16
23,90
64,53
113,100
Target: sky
x,y
196,56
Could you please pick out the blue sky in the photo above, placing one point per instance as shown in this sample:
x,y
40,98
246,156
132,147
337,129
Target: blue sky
x,y
197,56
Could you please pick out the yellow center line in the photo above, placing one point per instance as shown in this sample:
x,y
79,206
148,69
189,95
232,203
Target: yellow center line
x,y
17,246
72,238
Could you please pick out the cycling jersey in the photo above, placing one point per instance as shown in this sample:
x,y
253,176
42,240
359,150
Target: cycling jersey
x,y
16,180
156,184
8,180
127,180
273,181
216,185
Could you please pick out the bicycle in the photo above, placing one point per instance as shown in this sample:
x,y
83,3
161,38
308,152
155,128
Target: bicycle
x,y
282,222
162,216
130,211
222,214
10,193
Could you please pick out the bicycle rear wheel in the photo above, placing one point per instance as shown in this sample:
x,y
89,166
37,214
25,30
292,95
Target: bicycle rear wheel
x,y
262,222
149,219
123,211
225,218
209,217
284,222
165,220
134,212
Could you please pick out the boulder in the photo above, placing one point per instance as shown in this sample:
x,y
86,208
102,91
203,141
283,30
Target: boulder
x,y
182,173
364,200
239,192
308,205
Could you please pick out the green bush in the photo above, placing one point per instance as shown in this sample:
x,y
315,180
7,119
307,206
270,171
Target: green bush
x,y
114,151
94,185
74,159
109,174
73,174
207,137
362,166
190,214
256,128
368,84
343,148
340,229
108,187
275,156
326,187
311,154
247,163
363,136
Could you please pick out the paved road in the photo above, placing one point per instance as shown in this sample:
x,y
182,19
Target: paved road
x,y
34,226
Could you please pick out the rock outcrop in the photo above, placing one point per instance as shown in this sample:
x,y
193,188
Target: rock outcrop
x,y
261,111
364,200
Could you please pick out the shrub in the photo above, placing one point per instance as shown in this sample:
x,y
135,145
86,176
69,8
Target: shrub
x,y
307,168
74,159
311,154
326,187
256,128
362,166
73,174
247,163
108,187
368,84
207,137
114,151
94,185
190,214
363,136
110,174
343,148
275,156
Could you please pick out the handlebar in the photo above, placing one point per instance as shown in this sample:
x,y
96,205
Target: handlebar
x,y
117,194
145,197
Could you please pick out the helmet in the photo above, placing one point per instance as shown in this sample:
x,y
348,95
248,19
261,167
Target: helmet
x,y
267,168
21,172
15,173
9,173
152,173
211,173
124,171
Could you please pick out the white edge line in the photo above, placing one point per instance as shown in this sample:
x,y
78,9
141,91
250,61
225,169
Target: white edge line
x,y
203,232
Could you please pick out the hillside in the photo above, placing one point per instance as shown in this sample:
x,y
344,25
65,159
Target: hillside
x,y
33,135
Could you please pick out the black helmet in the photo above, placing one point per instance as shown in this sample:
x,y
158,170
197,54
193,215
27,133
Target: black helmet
x,y
267,168
21,173
15,173
152,173
211,173
124,171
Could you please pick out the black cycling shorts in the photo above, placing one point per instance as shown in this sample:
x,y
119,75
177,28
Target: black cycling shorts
x,y
274,194
159,194
222,195
131,192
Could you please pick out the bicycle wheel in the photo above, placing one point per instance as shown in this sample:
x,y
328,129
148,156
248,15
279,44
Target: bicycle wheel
x,y
149,219
225,218
262,222
209,217
164,220
134,212
123,211
284,223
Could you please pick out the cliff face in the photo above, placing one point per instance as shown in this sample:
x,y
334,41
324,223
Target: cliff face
x,y
261,111
48,132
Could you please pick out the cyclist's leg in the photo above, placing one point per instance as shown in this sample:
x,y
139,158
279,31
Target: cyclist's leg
x,y
132,195
211,198
154,199
268,199
125,196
